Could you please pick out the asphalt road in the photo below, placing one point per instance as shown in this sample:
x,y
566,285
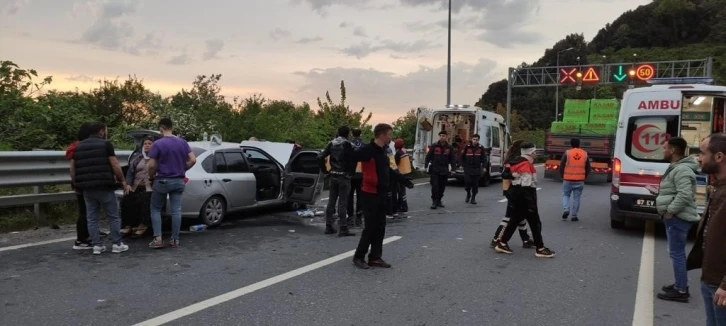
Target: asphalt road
x,y
444,273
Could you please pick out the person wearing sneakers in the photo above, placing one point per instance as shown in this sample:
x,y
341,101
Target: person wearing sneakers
x,y
522,196
94,171
676,203
169,159
574,169
511,154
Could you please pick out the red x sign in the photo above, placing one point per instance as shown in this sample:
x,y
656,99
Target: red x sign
x,y
567,75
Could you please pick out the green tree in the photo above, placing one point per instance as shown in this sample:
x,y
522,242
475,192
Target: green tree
x,y
331,115
405,128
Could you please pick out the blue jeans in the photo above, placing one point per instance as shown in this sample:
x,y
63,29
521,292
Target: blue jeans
x,y
715,315
163,187
95,199
573,188
677,234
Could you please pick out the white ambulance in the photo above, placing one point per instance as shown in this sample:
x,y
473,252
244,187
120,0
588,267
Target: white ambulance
x,y
464,121
649,116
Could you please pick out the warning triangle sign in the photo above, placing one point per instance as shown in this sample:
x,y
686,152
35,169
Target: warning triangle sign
x,y
591,75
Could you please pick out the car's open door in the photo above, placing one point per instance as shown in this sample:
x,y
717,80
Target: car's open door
x,y
303,179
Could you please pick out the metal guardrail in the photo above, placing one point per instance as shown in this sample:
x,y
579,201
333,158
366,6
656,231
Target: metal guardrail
x,y
37,169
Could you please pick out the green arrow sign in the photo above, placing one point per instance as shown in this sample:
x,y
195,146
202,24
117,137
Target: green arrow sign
x,y
620,76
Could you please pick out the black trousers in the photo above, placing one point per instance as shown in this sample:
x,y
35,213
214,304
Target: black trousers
x,y
523,208
81,222
374,213
355,209
471,183
136,208
402,201
438,186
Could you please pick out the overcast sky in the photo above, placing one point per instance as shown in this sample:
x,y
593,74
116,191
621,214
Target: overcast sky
x,y
391,53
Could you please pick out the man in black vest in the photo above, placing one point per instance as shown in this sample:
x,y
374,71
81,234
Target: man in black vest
x,y
475,161
94,171
340,153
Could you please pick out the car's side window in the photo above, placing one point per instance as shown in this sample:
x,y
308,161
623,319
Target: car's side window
x,y
208,164
220,166
236,163
257,158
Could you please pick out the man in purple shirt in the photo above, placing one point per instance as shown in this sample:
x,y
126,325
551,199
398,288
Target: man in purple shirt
x,y
170,158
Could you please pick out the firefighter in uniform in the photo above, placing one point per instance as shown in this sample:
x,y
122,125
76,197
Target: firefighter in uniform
x,y
403,161
574,169
439,163
474,160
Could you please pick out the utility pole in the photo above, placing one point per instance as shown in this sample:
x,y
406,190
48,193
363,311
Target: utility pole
x,y
448,66
557,89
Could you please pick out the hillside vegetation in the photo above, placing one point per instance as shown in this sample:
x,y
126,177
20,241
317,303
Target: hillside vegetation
x,y
663,30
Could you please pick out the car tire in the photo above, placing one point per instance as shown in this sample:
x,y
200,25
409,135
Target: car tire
x,y
615,224
213,211
295,206
486,180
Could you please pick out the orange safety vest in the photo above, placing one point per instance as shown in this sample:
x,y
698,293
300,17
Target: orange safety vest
x,y
575,165
404,165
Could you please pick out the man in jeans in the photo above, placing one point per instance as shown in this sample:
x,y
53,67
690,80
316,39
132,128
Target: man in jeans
x,y
574,169
93,168
339,152
170,158
676,202
709,249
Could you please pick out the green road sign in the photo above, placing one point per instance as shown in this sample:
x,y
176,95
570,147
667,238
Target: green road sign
x,y
620,76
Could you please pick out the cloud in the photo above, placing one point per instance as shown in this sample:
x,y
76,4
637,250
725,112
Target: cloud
x,y
499,22
213,47
364,49
360,32
279,33
344,25
179,60
320,6
306,40
389,95
81,79
112,31
12,7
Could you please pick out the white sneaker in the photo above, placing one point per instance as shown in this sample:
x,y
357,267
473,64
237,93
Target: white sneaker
x,y
119,248
97,250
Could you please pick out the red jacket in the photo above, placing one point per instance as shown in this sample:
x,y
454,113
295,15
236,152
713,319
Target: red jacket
x,y
71,149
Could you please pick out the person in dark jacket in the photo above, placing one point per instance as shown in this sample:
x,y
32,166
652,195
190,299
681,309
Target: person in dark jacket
x,y
511,154
709,250
339,152
95,170
522,196
440,160
474,160
135,206
354,205
377,175
83,239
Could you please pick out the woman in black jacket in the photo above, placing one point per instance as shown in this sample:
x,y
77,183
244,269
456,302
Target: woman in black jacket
x,y
135,206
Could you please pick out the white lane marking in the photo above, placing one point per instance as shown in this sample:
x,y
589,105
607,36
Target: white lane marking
x,y
502,200
36,244
539,189
643,315
199,306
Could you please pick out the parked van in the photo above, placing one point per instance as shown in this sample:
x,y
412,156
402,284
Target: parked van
x,y
648,117
463,121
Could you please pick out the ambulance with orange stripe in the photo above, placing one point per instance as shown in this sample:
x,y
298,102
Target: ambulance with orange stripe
x,y
648,117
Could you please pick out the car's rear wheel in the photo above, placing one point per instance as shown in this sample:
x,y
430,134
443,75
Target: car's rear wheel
x,y
213,211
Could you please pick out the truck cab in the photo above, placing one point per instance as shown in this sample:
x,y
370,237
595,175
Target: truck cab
x,y
463,121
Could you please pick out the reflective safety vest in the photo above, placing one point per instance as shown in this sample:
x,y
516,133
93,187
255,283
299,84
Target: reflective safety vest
x,y
404,165
575,165
392,161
